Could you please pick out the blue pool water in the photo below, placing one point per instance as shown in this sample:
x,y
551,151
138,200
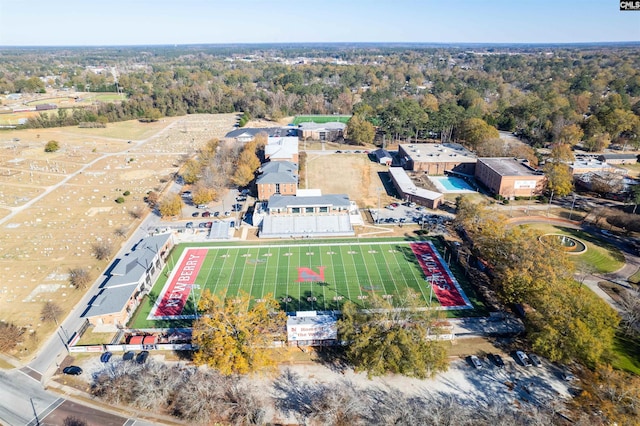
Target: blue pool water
x,y
451,183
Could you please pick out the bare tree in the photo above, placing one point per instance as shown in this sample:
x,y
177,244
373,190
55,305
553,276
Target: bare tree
x,y
51,311
10,336
73,421
121,231
102,249
79,277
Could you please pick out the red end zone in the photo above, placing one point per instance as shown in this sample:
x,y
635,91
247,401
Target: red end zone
x,y
444,285
174,295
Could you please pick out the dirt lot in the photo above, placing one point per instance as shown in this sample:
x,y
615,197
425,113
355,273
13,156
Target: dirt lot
x,y
55,206
352,174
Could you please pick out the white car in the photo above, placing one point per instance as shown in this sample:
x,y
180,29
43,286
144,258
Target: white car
x,y
523,358
475,361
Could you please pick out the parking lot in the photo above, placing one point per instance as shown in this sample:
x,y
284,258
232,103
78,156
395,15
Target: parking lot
x,y
404,213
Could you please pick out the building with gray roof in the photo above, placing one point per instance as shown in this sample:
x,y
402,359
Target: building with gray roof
x,y
282,149
308,216
278,177
321,131
437,158
410,192
127,280
510,177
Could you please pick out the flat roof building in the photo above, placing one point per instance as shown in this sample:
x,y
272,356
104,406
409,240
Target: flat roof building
x,y
436,158
282,149
410,192
509,177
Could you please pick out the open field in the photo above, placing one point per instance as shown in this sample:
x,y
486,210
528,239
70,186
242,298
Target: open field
x,y
54,207
336,174
321,119
626,354
600,255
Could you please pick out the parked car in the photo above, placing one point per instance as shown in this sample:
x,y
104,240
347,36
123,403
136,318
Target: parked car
x,y
236,207
202,225
105,357
535,360
208,224
128,356
227,213
523,358
189,225
142,357
390,207
475,361
206,214
195,214
497,360
201,206
72,370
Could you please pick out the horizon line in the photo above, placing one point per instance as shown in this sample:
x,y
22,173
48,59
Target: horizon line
x,y
374,43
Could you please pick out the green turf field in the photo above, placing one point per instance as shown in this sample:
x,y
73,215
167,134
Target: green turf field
x,y
335,273
320,119
353,270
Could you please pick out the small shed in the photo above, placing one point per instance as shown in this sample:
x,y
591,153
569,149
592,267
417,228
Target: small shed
x,y
136,340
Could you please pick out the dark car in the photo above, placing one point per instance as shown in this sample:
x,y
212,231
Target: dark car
x,y
497,360
236,207
202,225
206,214
142,357
128,356
195,214
216,214
189,225
72,370
105,357
535,360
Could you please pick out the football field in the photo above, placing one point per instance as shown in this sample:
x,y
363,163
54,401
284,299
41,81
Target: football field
x,y
314,276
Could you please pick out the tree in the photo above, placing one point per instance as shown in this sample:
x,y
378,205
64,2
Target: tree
x,y
635,197
10,336
51,311
233,336
52,146
79,277
570,135
203,194
561,152
102,249
559,178
360,131
243,175
171,205
386,339
73,421
475,131
191,171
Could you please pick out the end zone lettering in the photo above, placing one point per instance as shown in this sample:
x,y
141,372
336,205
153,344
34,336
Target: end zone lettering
x,y
629,5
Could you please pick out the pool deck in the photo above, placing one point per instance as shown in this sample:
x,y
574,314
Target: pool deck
x,y
436,181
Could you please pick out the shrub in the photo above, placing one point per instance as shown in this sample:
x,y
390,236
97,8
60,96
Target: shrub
x,y
126,193
120,200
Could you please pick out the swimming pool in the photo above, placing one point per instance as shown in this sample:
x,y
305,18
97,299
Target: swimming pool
x,y
451,184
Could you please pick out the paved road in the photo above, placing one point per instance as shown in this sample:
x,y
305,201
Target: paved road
x,y
21,397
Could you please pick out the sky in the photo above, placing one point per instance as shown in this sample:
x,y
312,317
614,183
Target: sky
x,y
144,22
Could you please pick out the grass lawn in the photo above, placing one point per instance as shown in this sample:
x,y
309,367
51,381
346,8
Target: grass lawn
x,y
635,278
346,270
600,255
91,338
320,119
110,97
627,354
132,129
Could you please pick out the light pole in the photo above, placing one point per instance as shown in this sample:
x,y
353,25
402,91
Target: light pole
x,y
572,205
550,199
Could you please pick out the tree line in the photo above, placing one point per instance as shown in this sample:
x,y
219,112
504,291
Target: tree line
x,y
589,95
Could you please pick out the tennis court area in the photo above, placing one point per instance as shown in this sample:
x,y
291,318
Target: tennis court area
x,y
313,276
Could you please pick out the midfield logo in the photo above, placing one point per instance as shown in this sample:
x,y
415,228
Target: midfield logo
x,y
309,275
